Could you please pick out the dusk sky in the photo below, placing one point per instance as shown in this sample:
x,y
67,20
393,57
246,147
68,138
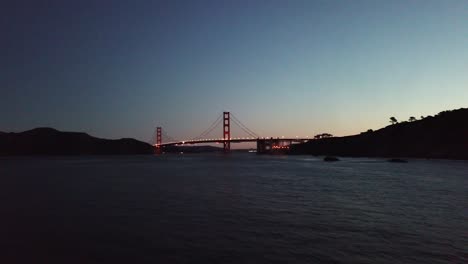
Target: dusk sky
x,y
285,68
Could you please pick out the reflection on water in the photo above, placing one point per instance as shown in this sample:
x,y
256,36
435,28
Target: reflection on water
x,y
240,208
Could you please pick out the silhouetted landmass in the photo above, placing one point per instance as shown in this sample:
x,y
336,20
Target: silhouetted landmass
x,y
200,149
191,149
48,141
443,136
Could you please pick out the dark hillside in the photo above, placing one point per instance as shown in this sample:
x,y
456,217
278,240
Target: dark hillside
x,y
191,149
48,141
442,136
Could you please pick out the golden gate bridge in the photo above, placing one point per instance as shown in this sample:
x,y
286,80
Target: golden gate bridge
x,y
264,144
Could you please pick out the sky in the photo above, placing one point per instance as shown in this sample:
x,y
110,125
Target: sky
x,y
120,68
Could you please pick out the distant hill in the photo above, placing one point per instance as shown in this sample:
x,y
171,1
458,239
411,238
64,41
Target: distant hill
x,y
442,136
191,149
48,141
199,149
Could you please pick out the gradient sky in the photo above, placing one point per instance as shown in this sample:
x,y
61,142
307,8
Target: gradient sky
x,y
119,68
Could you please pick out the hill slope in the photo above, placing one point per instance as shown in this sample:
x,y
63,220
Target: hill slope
x,y
442,136
48,141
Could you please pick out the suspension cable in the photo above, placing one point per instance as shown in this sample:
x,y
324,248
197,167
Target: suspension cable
x,y
171,139
246,131
209,129
244,127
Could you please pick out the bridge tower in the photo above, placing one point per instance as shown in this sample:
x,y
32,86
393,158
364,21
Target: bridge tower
x,y
158,140
226,131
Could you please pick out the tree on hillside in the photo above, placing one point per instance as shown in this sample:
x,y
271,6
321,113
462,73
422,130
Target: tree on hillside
x,y
393,120
412,119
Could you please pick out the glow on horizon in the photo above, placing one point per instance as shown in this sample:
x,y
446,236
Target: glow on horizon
x,y
285,69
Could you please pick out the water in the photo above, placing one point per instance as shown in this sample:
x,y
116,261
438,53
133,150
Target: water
x,y
240,208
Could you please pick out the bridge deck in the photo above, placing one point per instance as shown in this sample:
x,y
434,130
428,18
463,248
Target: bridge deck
x,y
237,140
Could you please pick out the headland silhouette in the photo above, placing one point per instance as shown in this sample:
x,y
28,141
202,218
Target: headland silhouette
x,y
443,136
49,141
